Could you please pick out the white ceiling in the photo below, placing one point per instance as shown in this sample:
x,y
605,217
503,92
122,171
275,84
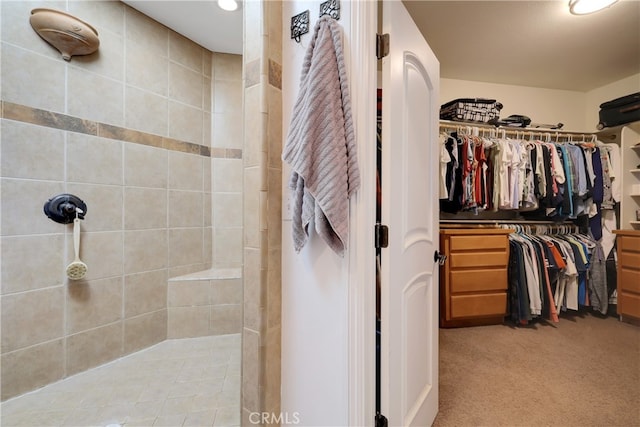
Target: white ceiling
x,y
529,43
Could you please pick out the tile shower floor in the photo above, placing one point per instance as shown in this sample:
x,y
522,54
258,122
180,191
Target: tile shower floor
x,y
178,382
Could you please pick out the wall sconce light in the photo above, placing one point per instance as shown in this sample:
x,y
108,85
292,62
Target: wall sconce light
x,y
584,7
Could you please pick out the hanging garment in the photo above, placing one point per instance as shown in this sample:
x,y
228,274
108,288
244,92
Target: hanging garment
x,y
320,145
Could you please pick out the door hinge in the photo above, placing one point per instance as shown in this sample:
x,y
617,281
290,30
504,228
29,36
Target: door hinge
x,y
382,45
381,420
382,236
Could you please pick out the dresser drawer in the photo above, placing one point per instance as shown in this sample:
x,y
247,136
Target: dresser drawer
x,y
479,259
629,280
478,280
494,304
629,304
629,260
628,244
465,243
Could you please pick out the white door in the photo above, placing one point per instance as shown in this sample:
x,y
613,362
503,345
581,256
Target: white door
x,y
410,161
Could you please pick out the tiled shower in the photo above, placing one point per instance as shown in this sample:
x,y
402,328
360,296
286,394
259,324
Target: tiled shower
x,y
148,132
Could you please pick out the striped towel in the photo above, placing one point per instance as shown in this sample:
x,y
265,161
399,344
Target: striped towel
x,y
320,145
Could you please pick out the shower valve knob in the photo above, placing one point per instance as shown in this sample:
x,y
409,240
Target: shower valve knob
x,y
63,208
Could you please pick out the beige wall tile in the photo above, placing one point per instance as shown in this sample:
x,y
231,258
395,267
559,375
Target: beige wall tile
x,y
208,246
32,317
32,262
33,152
206,174
22,203
274,128
227,175
226,291
227,130
145,293
207,59
185,172
185,52
227,66
185,122
105,14
93,303
94,347
251,370
207,94
108,60
184,322
145,250
143,30
104,206
16,29
227,210
272,369
188,293
227,245
251,208
145,330
31,368
31,79
186,209
94,97
182,270
185,85
274,18
93,160
206,129
206,209
226,319
147,70
146,111
227,96
145,166
145,208
100,251
253,33
253,292
185,246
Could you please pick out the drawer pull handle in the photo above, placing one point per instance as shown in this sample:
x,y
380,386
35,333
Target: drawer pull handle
x,y
439,257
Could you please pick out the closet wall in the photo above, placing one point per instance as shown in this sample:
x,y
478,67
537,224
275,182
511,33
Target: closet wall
x,y
577,110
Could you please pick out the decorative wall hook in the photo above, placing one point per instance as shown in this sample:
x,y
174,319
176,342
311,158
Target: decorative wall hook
x,y
331,8
299,25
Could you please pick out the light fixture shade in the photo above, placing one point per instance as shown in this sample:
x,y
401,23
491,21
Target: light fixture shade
x,y
229,5
584,7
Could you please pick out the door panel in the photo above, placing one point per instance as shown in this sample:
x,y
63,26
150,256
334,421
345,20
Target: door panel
x,y
409,288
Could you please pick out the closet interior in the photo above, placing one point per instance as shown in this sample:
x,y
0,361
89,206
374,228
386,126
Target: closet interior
x,y
528,221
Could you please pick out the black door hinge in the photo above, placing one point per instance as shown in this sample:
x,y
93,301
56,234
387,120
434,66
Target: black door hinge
x,y
382,236
381,420
382,45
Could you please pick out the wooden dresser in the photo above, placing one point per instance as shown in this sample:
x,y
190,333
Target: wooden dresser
x,y
473,279
628,284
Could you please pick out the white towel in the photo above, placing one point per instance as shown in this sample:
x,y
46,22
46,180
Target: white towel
x,y
320,144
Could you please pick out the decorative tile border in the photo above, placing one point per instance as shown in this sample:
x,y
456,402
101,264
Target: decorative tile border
x,y
60,121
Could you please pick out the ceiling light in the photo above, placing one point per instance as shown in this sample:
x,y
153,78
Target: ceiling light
x,y
583,7
229,5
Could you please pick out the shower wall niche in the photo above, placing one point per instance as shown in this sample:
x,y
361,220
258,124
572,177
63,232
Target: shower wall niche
x,y
148,132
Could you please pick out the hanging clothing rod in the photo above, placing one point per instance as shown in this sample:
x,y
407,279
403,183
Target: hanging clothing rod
x,y
461,126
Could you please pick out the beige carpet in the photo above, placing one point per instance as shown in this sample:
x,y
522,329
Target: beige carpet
x,y
582,371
